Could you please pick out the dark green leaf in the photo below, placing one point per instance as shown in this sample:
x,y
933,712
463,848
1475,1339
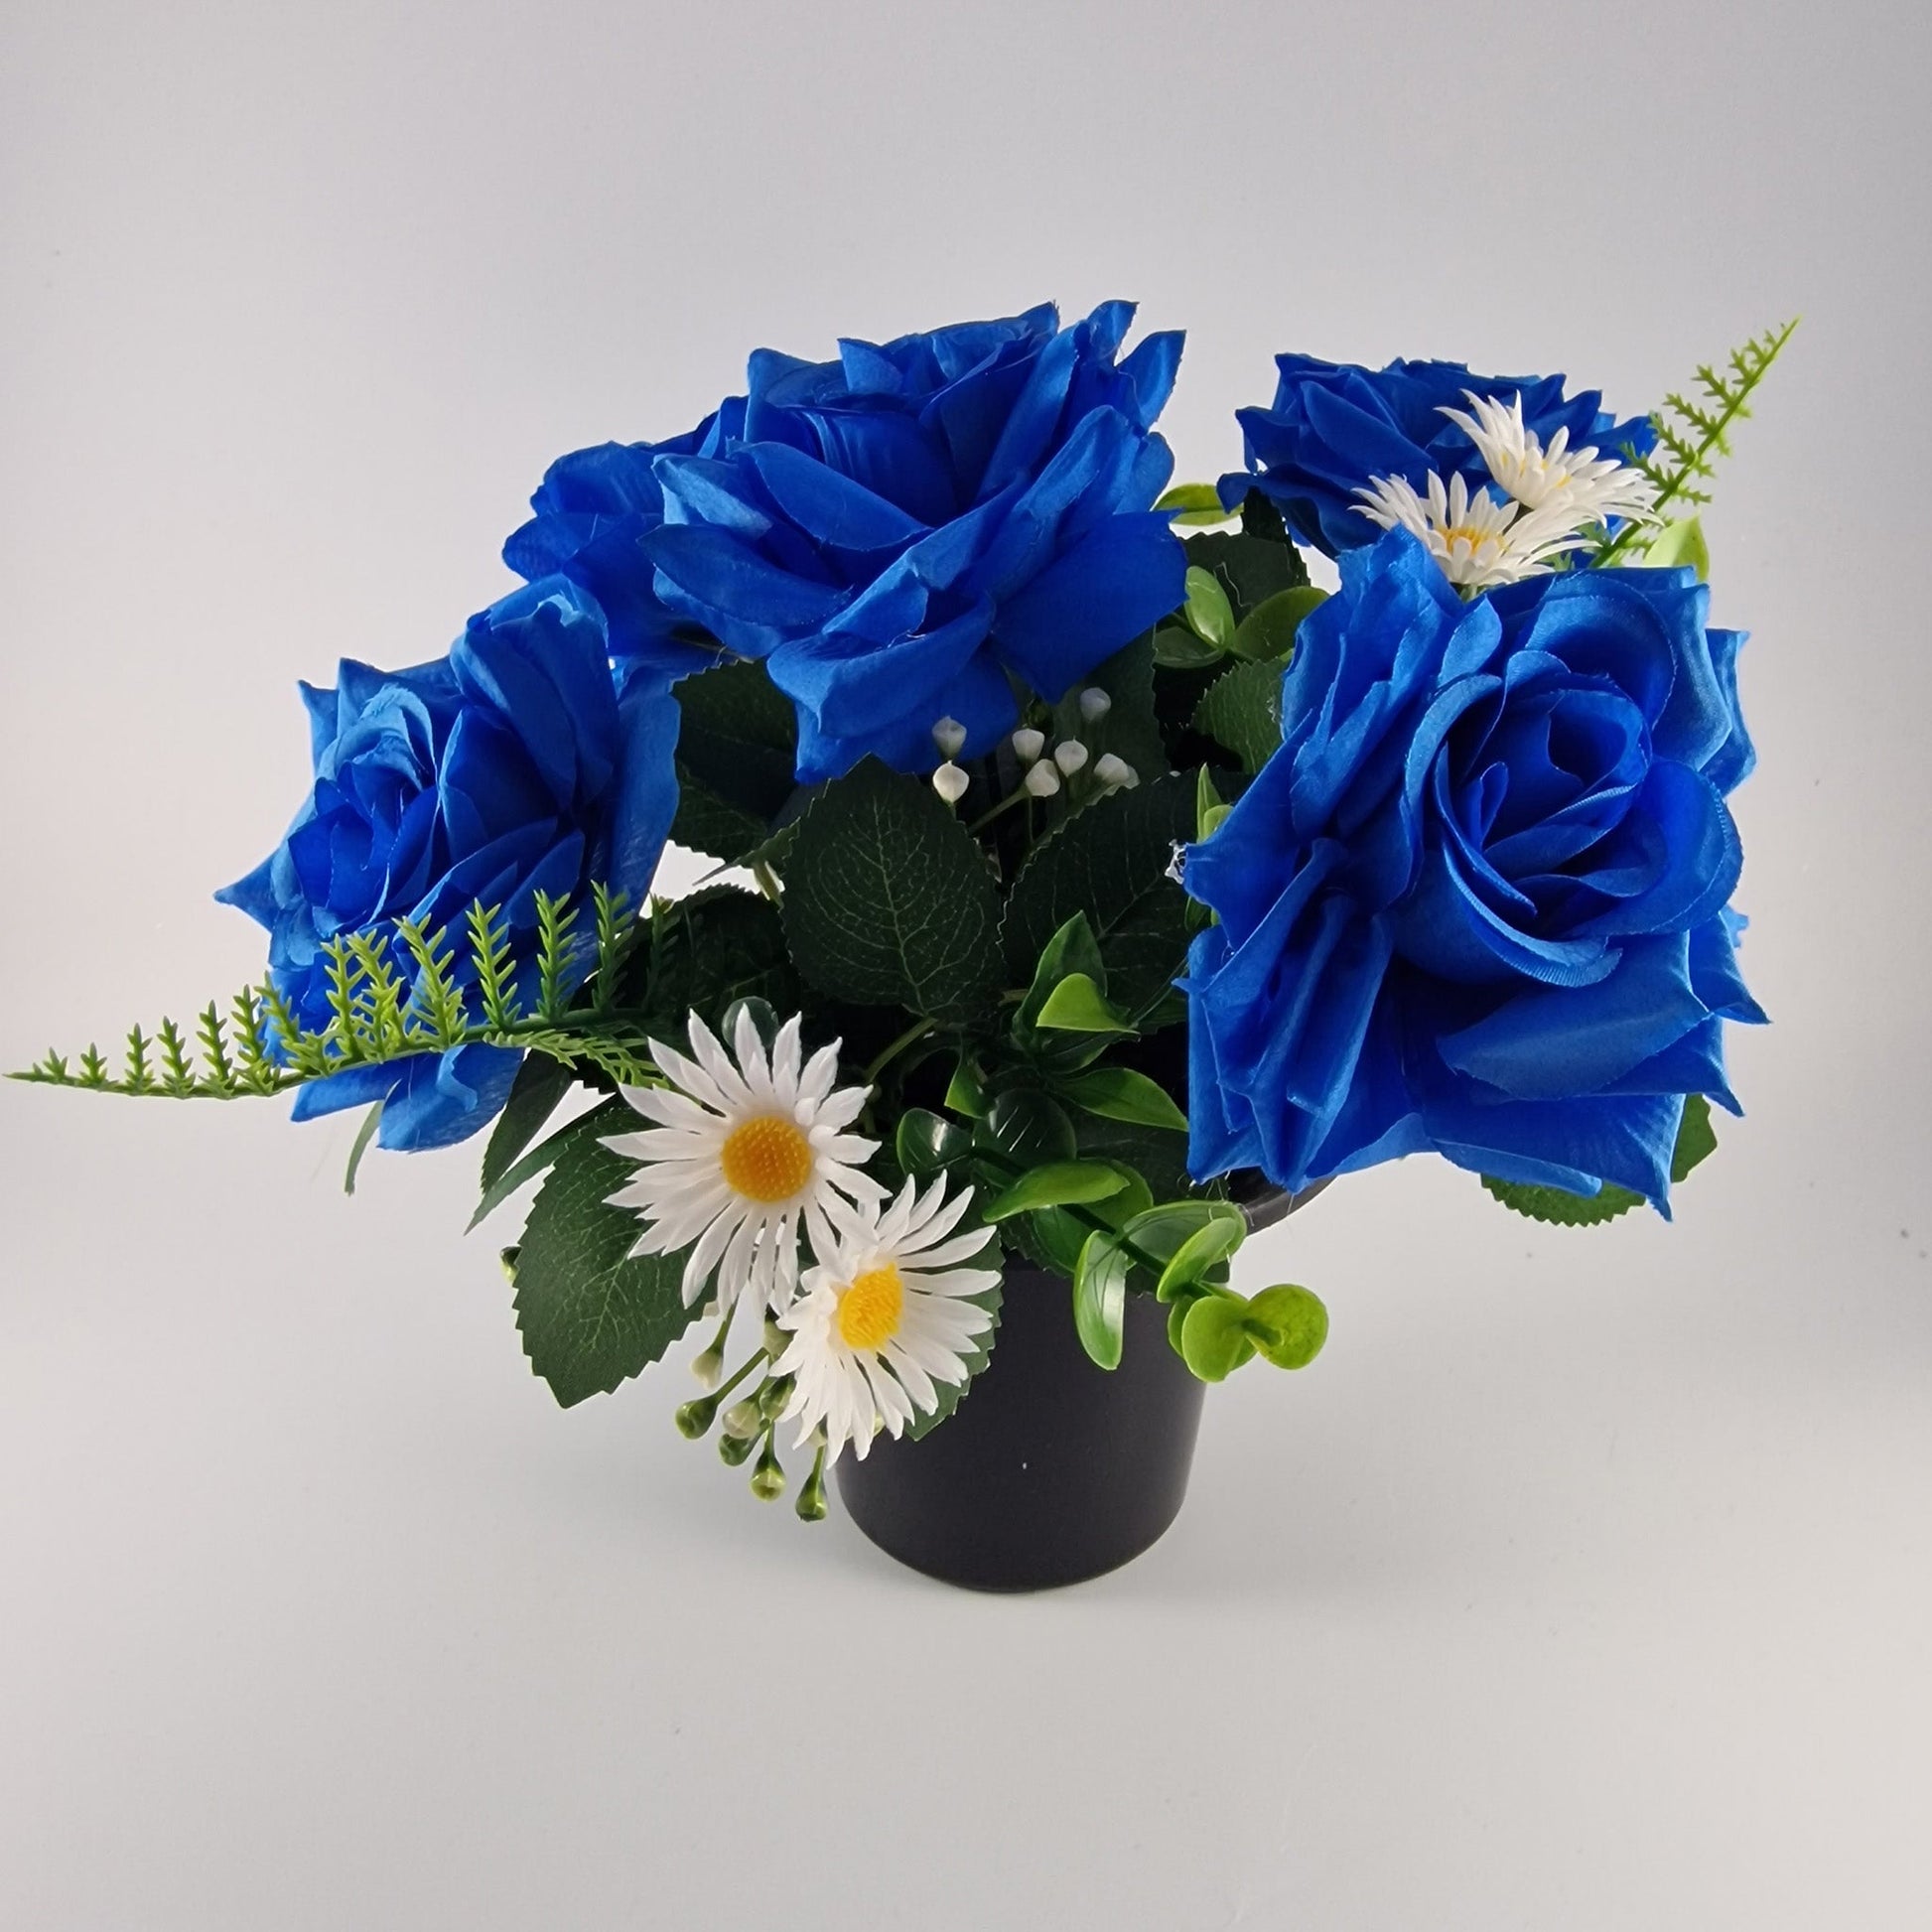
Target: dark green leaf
x,y
889,902
525,1169
540,1084
1286,1325
1242,711
1561,1208
736,743
1213,1340
589,1316
1157,1153
927,1142
1111,863
1026,1126
1697,1139
1100,1298
703,953
1118,1093
1130,730
1177,647
1055,1184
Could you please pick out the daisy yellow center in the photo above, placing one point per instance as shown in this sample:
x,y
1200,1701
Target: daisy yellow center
x,y
767,1159
870,1309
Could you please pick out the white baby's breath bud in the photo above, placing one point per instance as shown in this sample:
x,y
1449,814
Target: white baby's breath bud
x,y
950,735
1115,771
950,782
1028,744
708,1367
1069,755
1042,780
1094,703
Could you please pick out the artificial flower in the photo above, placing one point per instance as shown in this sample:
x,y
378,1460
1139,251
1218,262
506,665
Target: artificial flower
x,y
1334,426
510,768
742,1151
1477,902
1477,541
905,533
591,511
885,1318
1591,489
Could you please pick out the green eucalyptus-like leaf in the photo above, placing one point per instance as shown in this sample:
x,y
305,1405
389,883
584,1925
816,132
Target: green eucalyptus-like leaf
x,y
1286,1325
590,1315
1207,1247
1193,503
1100,1298
889,901
1214,1340
1058,1185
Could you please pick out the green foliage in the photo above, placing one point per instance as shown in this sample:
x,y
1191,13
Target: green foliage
x,y
1078,1006
737,744
1214,1342
1120,1093
1195,503
1130,730
1558,1207
1209,615
1286,1325
703,953
1205,1249
1028,1128
1694,431
926,1143
536,1094
1110,862
1267,633
589,1316
1682,542
1100,1297
1241,711
1056,1185
889,902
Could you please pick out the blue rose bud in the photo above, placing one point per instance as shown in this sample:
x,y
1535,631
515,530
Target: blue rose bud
x,y
904,532
509,767
1334,426
1477,902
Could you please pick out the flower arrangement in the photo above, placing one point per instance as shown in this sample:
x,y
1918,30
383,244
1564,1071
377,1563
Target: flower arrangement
x,y
1087,880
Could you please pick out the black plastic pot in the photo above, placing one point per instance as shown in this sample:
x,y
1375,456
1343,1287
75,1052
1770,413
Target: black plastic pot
x,y
1050,1470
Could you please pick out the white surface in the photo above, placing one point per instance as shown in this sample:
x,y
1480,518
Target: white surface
x,y
1586,1582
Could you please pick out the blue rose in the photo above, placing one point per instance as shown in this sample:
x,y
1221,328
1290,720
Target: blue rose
x,y
1478,900
594,509
1333,426
904,532
509,767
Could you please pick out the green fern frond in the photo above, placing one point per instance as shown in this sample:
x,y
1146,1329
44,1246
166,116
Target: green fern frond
x,y
380,1013
1693,434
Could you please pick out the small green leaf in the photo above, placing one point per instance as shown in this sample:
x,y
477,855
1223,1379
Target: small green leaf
x,y
1058,1185
1118,1093
1100,1298
1207,1247
1209,615
964,1094
926,1141
363,1135
1026,1126
1242,709
1177,649
1160,1231
1286,1325
1214,1342
1077,1006
1697,1139
1267,633
1072,949
1250,567
1682,542
535,1094
1195,503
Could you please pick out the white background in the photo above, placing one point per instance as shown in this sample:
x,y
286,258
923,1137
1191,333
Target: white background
x,y
1586,1582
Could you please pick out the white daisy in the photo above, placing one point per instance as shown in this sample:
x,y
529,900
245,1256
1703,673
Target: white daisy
x,y
738,1155
1477,540
1592,487
886,1317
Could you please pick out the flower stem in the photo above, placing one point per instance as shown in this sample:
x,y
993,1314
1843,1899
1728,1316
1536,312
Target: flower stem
x,y
1018,795
888,1054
